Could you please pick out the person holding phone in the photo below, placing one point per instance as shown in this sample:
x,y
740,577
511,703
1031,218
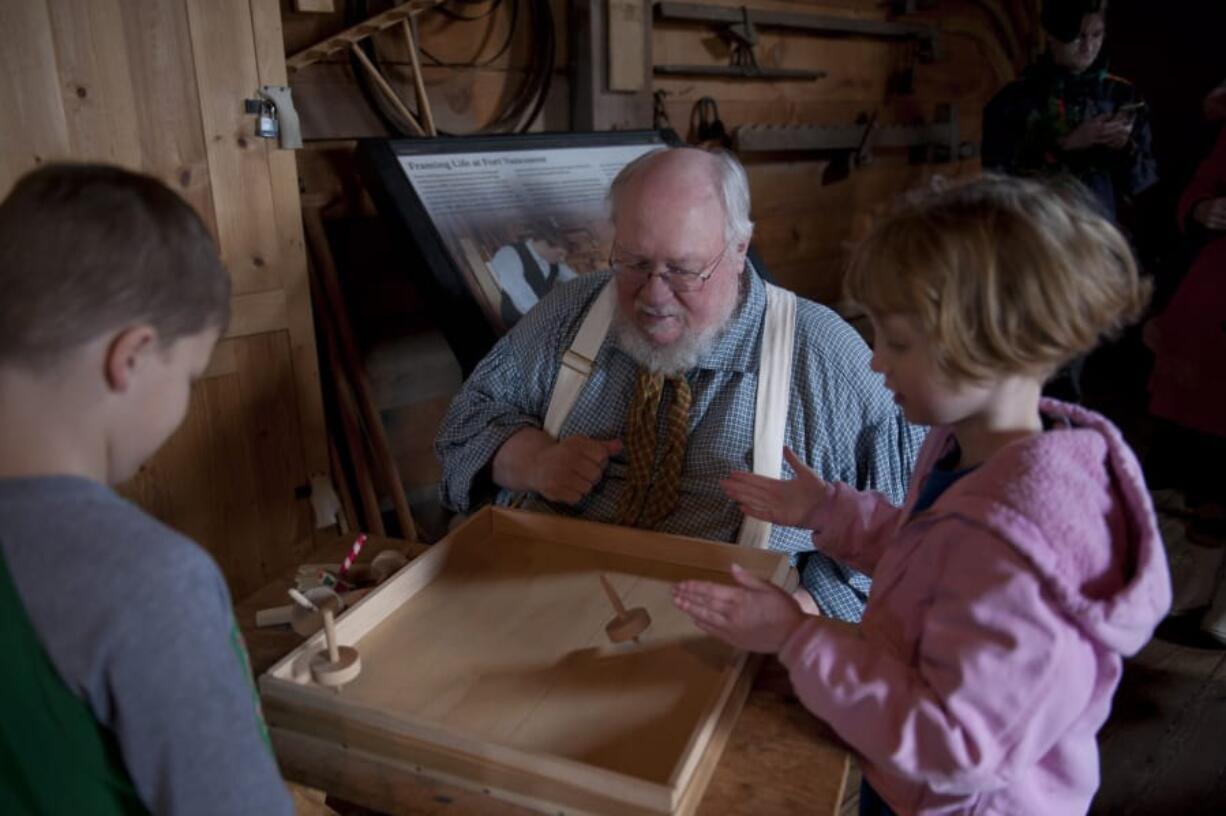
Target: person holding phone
x,y
1066,115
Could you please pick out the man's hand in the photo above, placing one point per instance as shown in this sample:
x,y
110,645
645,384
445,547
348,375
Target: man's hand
x,y
755,615
562,471
1109,130
792,503
568,470
1211,213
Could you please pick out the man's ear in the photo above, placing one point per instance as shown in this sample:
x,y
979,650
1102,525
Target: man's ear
x,y
125,354
742,250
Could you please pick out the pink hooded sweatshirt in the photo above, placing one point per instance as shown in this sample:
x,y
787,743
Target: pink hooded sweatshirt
x,y
992,641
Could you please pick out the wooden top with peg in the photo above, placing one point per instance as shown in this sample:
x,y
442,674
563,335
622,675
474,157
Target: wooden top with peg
x,y
336,665
628,624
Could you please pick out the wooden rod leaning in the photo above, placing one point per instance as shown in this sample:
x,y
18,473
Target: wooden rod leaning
x,y
387,89
423,102
352,360
346,406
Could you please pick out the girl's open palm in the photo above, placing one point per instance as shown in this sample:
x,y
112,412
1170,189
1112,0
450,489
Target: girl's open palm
x,y
752,614
791,502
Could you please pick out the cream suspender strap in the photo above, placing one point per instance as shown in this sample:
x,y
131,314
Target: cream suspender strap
x,y
578,360
770,418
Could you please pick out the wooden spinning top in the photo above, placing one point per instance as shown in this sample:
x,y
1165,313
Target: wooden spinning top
x,y
336,665
305,618
628,623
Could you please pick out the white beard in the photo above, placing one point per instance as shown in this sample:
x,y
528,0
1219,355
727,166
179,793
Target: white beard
x,y
675,358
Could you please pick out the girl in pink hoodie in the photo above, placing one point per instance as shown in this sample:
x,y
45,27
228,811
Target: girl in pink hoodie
x,y
1025,561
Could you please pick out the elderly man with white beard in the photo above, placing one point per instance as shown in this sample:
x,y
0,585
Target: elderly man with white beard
x,y
625,397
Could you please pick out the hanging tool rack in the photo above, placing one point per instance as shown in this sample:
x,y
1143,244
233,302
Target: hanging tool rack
x,y
739,27
935,141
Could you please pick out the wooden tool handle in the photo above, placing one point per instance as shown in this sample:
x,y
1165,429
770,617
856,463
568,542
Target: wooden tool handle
x,y
334,654
613,599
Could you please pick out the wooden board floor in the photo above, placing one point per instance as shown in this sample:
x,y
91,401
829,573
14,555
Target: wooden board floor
x,y
1163,749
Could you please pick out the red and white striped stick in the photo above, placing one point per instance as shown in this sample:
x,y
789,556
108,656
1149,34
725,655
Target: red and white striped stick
x,y
353,554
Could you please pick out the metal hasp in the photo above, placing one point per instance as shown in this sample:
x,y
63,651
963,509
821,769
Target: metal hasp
x,y
276,117
925,35
287,131
936,141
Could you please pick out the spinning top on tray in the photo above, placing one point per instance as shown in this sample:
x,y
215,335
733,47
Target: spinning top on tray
x,y
335,665
306,617
628,624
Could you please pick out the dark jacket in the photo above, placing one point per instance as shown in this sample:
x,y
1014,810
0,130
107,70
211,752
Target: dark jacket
x,y
1025,121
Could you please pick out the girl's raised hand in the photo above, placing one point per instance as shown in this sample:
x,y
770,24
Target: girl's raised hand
x,y
792,502
754,615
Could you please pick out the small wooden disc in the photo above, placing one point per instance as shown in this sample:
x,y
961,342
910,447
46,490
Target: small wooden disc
x,y
345,670
627,626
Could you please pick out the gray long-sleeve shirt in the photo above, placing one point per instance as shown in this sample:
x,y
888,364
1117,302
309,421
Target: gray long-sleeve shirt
x,y
137,621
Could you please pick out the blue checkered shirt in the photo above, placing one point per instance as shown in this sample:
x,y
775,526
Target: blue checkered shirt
x,y
841,421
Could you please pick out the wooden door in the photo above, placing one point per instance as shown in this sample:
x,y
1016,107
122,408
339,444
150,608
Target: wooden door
x,y
158,85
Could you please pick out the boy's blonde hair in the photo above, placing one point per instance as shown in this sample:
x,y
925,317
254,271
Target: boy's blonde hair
x,y
1006,275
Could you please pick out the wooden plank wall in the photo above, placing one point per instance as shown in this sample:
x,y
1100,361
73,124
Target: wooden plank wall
x,y
805,218
157,85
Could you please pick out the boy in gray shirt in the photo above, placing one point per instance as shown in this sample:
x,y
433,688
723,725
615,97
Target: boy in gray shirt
x,y
125,687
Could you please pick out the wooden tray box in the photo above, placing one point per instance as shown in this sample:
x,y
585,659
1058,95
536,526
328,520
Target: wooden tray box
x,y
485,663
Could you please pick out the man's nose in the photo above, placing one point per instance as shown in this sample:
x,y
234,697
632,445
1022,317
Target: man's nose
x,y
655,290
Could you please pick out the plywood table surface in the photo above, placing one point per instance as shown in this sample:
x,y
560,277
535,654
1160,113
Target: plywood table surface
x,y
779,759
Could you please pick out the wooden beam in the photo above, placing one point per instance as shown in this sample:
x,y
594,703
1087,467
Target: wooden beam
x,y
223,362
314,6
387,90
257,312
352,36
625,45
283,166
423,101
595,104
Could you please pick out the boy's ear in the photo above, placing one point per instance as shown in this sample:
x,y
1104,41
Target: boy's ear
x,y
124,354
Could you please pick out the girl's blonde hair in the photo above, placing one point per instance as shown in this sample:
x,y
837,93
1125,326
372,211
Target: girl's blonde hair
x,y
1005,275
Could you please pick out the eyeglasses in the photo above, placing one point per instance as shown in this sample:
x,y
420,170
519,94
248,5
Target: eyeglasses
x,y
675,277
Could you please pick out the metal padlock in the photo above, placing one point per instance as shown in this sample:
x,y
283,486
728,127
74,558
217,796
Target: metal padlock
x,y
275,116
266,126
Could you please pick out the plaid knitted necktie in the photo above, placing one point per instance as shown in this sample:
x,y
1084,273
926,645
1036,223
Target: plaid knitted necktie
x,y
646,502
